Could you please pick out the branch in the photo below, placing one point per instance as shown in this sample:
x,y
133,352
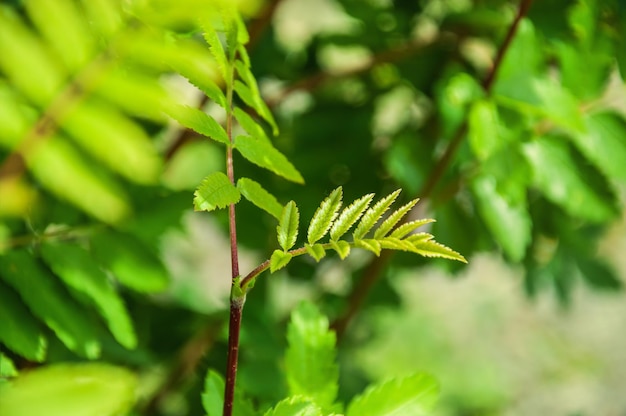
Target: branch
x,y
373,270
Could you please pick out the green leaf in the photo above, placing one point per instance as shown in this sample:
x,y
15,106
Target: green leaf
x,y
85,389
250,125
410,396
604,144
508,221
392,243
369,244
310,365
199,122
373,214
418,237
217,50
204,83
279,260
559,179
254,100
213,397
130,261
316,251
324,216
288,228
20,332
45,297
409,227
559,105
254,192
429,248
341,247
215,191
75,266
483,125
349,216
7,368
294,406
393,219
263,154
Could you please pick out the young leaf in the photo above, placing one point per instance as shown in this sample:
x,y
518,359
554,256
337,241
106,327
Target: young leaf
x,y
418,237
316,251
217,50
324,216
294,406
279,260
341,247
288,228
369,244
255,193
256,102
410,396
215,191
393,219
199,121
20,331
265,155
132,263
250,125
431,248
349,216
373,214
393,243
310,359
205,84
49,302
409,227
75,266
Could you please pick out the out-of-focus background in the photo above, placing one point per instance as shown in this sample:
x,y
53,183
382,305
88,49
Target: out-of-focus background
x,y
524,170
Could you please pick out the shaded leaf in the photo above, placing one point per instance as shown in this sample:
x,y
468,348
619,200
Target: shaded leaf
x,y
213,397
349,216
373,214
288,228
410,396
215,191
324,216
265,155
199,121
393,219
279,260
255,193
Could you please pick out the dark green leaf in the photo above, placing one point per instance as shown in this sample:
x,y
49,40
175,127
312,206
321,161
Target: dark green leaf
x,y
483,125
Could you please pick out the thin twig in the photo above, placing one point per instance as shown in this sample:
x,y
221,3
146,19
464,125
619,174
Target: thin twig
x,y
373,271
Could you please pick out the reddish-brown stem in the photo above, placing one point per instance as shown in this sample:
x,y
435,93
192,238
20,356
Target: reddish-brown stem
x,y
373,270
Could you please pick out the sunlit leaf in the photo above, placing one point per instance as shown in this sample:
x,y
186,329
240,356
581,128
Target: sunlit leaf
x,y
294,406
369,244
255,193
324,216
265,155
279,260
316,251
341,247
349,216
393,219
213,397
215,191
287,229
373,214
217,50
430,248
254,100
199,121
409,227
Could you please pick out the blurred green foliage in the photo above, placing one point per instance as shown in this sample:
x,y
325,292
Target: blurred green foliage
x,y
101,257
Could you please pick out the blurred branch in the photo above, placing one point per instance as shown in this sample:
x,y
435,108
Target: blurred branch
x,y
373,271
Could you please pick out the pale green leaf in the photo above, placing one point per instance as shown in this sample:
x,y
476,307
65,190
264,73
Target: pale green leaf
x,y
604,144
294,406
508,221
75,266
263,154
243,53
199,121
393,243
409,396
254,100
418,237
287,229
558,178
409,227
349,216
430,248
217,50
20,331
279,260
255,193
373,214
324,216
63,171
85,389
310,365
393,219
483,125
215,191
130,261
104,16
341,247
316,251
249,124
48,301
65,30
204,83
369,244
